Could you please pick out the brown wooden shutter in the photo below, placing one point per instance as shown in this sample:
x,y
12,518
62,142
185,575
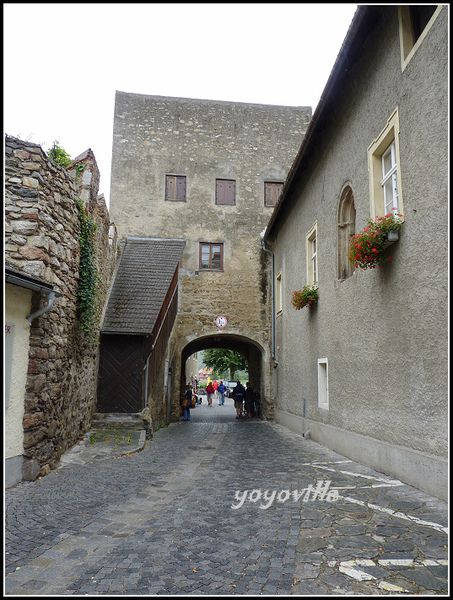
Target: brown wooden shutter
x,y
272,193
181,189
175,188
225,191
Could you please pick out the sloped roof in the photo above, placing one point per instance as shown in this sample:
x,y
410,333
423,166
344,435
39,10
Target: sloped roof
x,y
23,279
141,283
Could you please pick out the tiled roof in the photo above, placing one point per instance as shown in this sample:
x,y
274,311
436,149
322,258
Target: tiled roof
x,y
142,280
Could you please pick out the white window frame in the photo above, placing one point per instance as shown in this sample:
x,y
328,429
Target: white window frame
x,y
312,255
323,383
386,142
389,180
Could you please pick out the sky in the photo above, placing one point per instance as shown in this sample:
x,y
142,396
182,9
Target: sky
x,y
64,62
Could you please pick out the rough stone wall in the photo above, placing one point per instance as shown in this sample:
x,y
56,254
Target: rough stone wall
x,y
205,140
42,240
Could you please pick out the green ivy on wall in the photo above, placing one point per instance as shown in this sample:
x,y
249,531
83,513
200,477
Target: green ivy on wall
x,y
88,276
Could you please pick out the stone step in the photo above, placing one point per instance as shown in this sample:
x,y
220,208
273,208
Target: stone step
x,y
120,420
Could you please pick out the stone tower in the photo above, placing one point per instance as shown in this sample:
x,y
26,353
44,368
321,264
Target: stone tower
x,y
209,173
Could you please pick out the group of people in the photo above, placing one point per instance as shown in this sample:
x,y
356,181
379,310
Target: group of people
x,y
213,389
244,398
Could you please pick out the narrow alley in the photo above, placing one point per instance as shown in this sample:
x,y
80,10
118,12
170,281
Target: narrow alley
x,y
219,506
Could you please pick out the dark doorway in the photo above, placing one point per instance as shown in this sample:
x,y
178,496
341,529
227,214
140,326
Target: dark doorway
x,y
120,374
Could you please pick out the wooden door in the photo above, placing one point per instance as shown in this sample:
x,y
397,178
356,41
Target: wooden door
x,y
120,374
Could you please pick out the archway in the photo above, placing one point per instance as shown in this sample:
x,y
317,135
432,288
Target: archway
x,y
253,352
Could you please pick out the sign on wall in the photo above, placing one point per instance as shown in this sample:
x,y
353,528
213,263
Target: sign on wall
x,y
221,322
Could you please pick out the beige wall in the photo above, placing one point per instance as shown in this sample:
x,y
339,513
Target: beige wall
x,y
17,309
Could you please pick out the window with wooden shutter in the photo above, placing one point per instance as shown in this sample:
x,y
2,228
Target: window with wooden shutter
x,y
272,191
225,192
175,188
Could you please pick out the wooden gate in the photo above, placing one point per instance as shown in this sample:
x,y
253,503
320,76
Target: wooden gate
x,y
120,374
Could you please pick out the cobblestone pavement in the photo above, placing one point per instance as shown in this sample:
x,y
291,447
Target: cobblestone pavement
x,y
220,506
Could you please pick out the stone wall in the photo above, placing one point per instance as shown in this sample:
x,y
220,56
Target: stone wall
x,y
203,140
42,240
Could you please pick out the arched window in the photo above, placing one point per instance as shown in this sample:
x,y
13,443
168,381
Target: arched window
x,y
346,228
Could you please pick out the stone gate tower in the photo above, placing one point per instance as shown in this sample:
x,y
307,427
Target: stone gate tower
x,y
207,173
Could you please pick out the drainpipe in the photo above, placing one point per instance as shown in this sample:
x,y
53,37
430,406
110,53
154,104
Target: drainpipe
x,y
272,294
28,283
44,309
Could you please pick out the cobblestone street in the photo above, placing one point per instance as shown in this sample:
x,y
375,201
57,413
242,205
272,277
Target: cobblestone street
x,y
222,506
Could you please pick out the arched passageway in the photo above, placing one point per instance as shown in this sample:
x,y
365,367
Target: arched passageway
x,y
252,351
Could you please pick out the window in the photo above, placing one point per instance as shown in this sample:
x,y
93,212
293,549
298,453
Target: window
x,y
225,191
385,172
272,191
346,229
278,293
414,23
175,188
312,255
211,256
323,383
389,183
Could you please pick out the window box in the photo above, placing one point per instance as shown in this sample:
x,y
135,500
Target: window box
x,y
392,236
307,296
368,249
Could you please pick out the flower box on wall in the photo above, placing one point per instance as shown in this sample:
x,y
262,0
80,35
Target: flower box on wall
x,y
307,296
367,249
392,236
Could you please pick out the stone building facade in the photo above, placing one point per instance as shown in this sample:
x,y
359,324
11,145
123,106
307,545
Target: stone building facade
x,y
207,173
52,366
369,362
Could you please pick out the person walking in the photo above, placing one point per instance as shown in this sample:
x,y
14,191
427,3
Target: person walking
x,y
249,400
238,395
215,385
221,390
209,393
187,403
